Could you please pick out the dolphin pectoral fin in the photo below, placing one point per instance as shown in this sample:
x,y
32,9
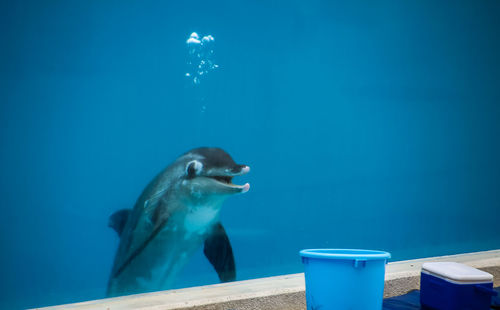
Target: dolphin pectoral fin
x,y
220,254
118,220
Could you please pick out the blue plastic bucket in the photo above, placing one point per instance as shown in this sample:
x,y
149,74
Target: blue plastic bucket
x,y
344,279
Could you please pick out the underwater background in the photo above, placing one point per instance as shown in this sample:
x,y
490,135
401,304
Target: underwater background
x,y
366,125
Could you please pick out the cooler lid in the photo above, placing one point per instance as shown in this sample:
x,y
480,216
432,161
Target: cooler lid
x,y
456,272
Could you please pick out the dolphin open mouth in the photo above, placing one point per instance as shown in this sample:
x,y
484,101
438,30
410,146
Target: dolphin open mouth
x,y
223,179
227,180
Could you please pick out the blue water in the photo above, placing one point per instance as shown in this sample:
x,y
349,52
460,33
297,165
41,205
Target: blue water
x,y
366,125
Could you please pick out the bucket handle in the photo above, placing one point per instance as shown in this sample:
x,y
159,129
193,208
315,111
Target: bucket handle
x,y
359,263
486,290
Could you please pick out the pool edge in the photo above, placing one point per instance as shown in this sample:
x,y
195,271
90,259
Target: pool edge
x,y
279,292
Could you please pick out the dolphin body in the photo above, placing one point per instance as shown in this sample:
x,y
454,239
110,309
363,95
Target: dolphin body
x,y
176,213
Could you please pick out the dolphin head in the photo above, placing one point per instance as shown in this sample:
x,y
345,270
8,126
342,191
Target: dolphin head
x,y
208,173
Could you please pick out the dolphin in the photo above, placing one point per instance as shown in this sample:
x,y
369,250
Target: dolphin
x,y
175,214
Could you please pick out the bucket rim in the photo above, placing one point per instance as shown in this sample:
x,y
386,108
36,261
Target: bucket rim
x,y
345,254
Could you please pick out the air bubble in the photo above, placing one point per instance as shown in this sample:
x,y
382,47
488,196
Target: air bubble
x,y
193,41
194,35
200,57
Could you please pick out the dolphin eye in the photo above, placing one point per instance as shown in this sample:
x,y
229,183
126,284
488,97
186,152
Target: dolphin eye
x,y
193,168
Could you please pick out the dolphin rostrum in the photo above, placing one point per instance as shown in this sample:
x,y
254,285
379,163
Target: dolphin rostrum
x,y
176,213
